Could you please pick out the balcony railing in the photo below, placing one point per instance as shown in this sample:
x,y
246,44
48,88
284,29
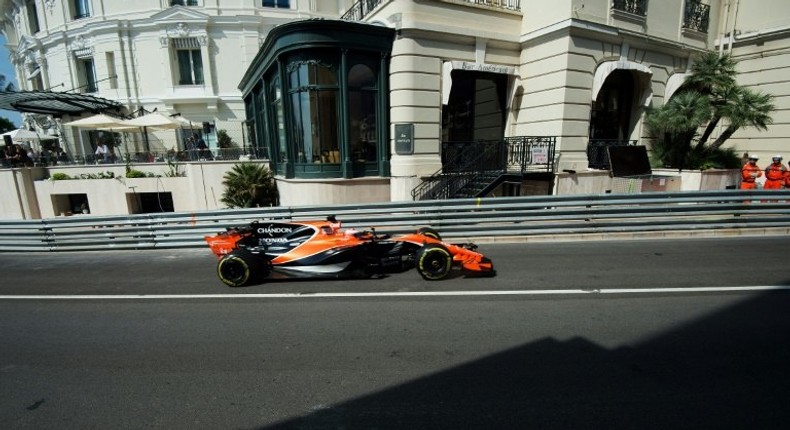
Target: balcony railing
x,y
363,7
696,16
498,4
636,7
360,10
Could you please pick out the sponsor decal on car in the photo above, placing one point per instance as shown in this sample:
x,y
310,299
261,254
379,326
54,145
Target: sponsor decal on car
x,y
274,230
271,240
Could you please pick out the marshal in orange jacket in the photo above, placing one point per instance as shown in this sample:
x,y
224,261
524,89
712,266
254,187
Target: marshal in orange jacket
x,y
749,172
775,176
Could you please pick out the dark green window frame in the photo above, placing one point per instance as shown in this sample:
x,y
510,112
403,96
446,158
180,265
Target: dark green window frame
x,y
313,91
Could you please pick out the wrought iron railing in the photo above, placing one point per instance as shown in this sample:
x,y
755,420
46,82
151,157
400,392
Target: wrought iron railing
x,y
465,164
597,156
468,168
498,4
636,7
360,10
696,16
530,154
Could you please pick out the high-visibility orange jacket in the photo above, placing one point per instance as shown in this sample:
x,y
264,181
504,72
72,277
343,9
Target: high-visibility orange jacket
x,y
775,176
749,172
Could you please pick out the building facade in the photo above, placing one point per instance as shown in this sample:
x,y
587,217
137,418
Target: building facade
x,y
583,71
431,73
179,57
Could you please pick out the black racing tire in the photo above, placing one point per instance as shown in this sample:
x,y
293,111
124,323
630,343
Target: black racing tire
x,y
239,268
429,232
434,262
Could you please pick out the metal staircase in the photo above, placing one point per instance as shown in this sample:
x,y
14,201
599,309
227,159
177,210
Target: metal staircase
x,y
474,169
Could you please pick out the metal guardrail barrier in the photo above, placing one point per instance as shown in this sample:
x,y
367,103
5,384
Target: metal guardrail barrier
x,y
458,219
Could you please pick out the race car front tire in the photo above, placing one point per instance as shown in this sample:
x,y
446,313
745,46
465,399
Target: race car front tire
x,y
239,268
434,262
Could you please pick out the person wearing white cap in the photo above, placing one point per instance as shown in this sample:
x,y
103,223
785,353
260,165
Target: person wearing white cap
x,y
775,174
749,173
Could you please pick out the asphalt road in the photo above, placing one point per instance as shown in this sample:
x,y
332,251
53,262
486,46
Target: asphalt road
x,y
538,266
533,358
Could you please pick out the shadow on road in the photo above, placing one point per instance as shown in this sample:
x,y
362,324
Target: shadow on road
x,y
728,370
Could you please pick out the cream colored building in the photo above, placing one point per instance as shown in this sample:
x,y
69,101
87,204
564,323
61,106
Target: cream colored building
x,y
761,44
583,72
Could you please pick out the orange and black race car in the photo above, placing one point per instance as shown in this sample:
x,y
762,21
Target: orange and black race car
x,y
322,249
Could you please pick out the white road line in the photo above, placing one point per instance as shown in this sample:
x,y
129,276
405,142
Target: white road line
x,y
400,294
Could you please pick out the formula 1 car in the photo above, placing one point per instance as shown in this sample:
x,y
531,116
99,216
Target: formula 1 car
x,y
322,249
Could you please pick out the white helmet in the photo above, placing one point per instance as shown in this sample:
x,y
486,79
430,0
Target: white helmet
x,y
777,157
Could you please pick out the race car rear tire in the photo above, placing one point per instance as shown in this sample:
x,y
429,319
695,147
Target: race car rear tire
x,y
239,268
429,232
434,262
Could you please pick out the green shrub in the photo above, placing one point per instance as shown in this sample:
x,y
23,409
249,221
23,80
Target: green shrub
x,y
60,176
138,174
249,185
100,175
223,140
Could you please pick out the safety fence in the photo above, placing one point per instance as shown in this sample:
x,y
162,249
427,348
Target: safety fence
x,y
461,219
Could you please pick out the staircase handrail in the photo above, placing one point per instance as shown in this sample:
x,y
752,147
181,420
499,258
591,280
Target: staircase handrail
x,y
461,169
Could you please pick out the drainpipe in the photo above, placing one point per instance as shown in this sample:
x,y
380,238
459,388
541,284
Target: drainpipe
x,y
732,31
724,27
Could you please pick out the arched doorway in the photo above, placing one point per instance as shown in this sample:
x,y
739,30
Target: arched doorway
x,y
621,90
476,108
610,118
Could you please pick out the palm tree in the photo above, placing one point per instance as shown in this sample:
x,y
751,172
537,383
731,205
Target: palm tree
x,y
709,96
249,185
676,125
712,73
750,109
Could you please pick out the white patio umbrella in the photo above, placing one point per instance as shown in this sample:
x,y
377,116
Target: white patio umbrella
x,y
97,121
158,121
154,120
22,135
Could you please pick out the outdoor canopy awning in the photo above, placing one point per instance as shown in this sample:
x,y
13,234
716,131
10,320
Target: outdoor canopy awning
x,y
55,103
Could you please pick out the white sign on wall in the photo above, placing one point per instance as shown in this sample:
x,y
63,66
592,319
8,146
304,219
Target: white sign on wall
x,y
540,155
